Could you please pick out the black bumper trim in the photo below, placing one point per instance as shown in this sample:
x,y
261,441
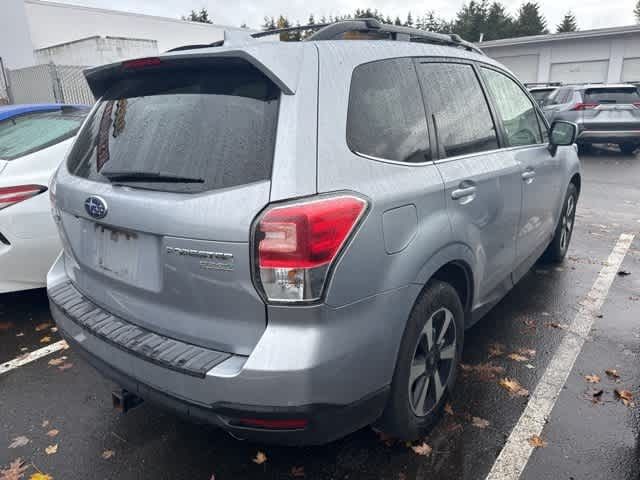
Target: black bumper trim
x,y
164,351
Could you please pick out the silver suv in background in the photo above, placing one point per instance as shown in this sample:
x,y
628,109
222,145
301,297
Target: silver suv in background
x,y
604,113
288,240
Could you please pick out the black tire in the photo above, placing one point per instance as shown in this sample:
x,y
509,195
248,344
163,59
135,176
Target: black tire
x,y
628,148
557,249
400,418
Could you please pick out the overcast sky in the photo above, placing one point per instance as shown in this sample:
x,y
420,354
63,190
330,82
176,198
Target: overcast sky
x,y
589,13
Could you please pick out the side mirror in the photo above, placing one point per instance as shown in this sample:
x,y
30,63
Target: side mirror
x,y
562,133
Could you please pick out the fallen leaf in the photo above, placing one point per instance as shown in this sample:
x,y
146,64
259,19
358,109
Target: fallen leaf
x,y
51,449
495,350
45,340
45,423
4,326
592,378
527,352
43,326
40,476
53,329
15,471
424,449
529,323
24,349
18,442
20,334
485,371
479,422
448,409
54,362
554,325
537,442
624,273
612,373
260,458
517,357
596,397
66,366
52,433
297,472
107,454
625,396
512,386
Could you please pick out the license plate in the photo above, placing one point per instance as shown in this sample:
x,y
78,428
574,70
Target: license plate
x,y
117,252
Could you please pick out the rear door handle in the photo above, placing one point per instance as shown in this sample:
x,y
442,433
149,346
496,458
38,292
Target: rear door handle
x,y
529,176
463,192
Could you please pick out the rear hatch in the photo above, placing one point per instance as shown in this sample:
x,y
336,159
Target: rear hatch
x,y
159,194
611,108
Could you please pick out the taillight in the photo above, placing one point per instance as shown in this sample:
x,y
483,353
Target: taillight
x,y
141,63
296,244
636,104
12,195
584,106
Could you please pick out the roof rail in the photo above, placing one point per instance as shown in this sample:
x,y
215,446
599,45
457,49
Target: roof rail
x,y
336,31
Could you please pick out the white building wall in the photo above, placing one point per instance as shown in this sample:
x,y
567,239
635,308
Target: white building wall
x,y
96,51
609,58
54,23
16,48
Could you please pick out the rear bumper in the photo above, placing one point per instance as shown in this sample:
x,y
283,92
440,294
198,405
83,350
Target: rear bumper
x,y
608,136
330,367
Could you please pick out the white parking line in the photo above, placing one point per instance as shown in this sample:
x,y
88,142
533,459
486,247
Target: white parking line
x,y
32,356
514,456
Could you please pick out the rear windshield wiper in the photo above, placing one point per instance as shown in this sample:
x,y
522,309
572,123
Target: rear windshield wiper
x,y
129,177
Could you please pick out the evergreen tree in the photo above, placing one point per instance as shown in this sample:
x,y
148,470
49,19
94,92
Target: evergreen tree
x,y
269,24
202,16
569,24
471,20
499,23
398,21
431,23
636,12
530,21
409,22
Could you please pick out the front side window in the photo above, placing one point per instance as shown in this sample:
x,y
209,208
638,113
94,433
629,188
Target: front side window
x,y
386,116
460,112
31,132
518,115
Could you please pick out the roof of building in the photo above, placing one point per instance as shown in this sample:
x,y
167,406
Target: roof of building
x,y
8,111
554,37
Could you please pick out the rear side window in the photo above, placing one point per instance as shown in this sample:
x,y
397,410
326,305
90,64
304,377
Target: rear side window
x,y
32,132
185,130
625,95
386,116
461,115
518,115
560,97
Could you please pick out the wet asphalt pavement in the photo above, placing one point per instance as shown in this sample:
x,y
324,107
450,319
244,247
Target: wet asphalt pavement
x,y
586,437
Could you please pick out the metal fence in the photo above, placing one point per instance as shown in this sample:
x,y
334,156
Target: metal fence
x,y
48,83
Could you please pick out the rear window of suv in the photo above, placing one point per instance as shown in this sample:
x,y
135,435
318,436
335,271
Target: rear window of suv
x,y
31,132
183,130
626,95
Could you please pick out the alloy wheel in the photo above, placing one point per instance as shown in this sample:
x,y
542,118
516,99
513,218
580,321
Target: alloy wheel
x,y
567,223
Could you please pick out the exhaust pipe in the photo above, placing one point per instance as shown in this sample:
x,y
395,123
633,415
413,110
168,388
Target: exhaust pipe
x,y
124,401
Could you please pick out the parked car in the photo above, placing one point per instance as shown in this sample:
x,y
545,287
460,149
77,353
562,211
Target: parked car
x,y
33,142
542,93
604,113
288,240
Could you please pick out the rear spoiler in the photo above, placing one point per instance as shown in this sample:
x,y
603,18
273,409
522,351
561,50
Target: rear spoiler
x,y
281,65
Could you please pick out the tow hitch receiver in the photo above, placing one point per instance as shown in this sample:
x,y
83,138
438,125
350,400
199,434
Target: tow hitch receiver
x,y
124,400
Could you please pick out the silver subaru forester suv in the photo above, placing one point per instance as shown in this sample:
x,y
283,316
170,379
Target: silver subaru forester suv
x,y
288,240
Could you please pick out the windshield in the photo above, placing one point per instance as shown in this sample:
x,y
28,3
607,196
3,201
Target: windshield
x,y
187,130
626,95
31,132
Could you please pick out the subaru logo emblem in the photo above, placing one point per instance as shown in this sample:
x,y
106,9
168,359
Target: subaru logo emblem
x,y
96,207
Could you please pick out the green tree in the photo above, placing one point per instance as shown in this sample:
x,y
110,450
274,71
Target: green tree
x,y
397,21
499,23
269,24
409,22
431,23
471,20
202,16
530,21
568,24
636,12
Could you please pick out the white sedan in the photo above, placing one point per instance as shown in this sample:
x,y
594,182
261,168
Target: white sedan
x,y
33,141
